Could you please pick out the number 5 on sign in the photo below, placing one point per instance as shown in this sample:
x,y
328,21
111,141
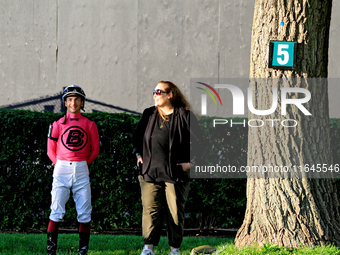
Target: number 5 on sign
x,y
282,55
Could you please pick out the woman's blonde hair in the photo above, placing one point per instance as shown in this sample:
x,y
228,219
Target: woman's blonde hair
x,y
177,99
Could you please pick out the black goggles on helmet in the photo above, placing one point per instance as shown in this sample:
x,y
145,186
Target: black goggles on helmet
x,y
73,90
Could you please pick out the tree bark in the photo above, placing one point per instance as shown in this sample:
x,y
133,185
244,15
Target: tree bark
x,y
291,211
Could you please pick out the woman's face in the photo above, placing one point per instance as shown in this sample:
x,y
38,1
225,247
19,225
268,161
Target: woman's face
x,y
164,98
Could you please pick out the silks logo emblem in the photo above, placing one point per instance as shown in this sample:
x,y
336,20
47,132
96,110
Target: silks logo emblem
x,y
204,97
74,138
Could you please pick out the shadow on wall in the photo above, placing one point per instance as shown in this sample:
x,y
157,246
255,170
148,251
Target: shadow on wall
x,y
55,104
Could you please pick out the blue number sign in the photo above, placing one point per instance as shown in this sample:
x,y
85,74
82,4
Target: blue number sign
x,y
282,55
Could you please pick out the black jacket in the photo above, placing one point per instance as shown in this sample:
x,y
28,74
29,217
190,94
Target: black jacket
x,y
183,130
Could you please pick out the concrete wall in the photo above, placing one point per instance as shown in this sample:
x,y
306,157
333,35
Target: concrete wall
x,y
118,50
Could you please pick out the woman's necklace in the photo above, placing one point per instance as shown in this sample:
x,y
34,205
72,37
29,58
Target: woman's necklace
x,y
162,123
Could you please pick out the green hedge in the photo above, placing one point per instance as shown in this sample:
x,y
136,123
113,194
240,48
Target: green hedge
x,y
26,175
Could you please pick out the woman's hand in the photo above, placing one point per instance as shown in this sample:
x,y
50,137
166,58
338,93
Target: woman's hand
x,y
185,166
139,160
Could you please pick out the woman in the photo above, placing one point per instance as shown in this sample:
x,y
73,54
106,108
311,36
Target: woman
x,y
162,146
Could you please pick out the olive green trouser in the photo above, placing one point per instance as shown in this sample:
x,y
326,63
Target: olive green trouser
x,y
160,199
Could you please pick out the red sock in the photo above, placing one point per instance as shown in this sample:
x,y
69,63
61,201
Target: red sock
x,y
84,227
53,226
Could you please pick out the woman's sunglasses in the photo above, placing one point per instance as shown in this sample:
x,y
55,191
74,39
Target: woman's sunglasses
x,y
159,92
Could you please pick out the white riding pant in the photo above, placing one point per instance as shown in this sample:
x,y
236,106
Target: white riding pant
x,y
71,175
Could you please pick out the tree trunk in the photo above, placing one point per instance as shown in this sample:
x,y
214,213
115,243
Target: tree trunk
x,y
291,211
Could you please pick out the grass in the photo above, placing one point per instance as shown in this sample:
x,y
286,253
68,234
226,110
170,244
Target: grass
x,y
33,244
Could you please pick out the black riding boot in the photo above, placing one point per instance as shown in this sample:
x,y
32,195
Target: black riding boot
x,y
52,240
84,239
